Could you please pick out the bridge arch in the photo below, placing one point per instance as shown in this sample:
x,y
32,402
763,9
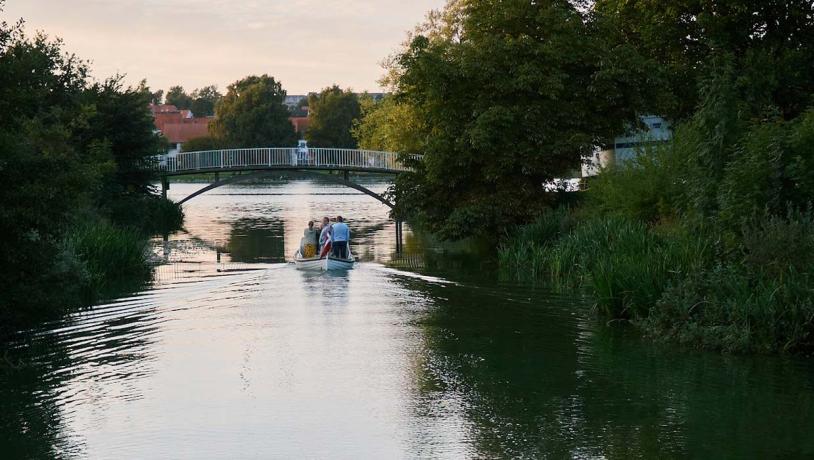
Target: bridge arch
x,y
263,173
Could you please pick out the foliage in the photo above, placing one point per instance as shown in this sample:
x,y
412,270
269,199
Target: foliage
x,y
390,126
201,102
730,309
121,119
178,97
626,265
332,114
252,114
146,214
157,97
644,188
512,95
69,152
204,101
769,42
111,256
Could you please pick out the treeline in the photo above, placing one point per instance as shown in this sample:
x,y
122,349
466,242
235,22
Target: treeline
x,y
252,113
201,101
706,240
77,202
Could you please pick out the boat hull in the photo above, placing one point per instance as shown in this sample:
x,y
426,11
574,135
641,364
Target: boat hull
x,y
331,264
314,263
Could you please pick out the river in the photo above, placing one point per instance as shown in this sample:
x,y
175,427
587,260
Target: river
x,y
232,353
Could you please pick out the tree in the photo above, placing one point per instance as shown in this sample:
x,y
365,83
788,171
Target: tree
x,y
122,119
204,101
49,176
252,114
332,113
769,41
511,95
157,97
389,125
179,98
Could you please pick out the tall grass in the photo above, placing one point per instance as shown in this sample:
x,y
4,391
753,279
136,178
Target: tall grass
x,y
625,264
731,309
112,256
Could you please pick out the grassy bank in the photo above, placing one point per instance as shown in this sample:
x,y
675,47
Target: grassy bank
x,y
674,284
710,254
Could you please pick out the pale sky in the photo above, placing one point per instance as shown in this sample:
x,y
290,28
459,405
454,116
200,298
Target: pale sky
x,y
307,44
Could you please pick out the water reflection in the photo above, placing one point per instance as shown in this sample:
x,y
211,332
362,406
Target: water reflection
x,y
257,240
535,380
420,354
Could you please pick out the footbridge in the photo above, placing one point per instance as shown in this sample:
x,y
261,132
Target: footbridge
x,y
257,162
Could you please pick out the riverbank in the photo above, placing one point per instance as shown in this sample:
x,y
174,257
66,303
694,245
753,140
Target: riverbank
x,y
715,257
672,283
98,256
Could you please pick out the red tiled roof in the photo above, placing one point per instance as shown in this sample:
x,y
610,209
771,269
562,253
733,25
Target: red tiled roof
x,y
182,132
300,123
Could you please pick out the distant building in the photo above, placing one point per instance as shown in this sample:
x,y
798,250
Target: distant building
x,y
626,147
178,126
300,123
293,101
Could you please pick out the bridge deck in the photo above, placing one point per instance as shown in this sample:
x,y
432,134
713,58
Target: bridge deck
x,y
282,158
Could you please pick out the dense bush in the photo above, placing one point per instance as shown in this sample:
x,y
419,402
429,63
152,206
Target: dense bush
x,y
148,214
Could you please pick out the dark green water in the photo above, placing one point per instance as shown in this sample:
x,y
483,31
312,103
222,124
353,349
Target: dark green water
x,y
423,355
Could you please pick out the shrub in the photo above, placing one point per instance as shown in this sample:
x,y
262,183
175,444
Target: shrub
x,y
644,187
148,214
727,308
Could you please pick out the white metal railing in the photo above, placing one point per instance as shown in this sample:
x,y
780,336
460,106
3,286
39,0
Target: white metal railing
x,y
316,158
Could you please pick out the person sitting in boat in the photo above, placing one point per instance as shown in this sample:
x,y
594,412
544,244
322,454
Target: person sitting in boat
x,y
325,237
308,246
340,236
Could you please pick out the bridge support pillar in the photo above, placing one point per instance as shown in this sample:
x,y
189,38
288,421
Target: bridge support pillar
x,y
399,235
165,185
217,177
346,176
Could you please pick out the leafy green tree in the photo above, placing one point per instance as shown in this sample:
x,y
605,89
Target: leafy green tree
x,y
252,114
769,42
389,125
332,113
512,95
157,97
48,176
178,97
123,121
204,101
66,147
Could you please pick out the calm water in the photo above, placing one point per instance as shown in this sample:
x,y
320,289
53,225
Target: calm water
x,y
232,353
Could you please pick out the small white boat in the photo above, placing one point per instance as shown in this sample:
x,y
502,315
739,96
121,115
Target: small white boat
x,y
334,263
312,263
